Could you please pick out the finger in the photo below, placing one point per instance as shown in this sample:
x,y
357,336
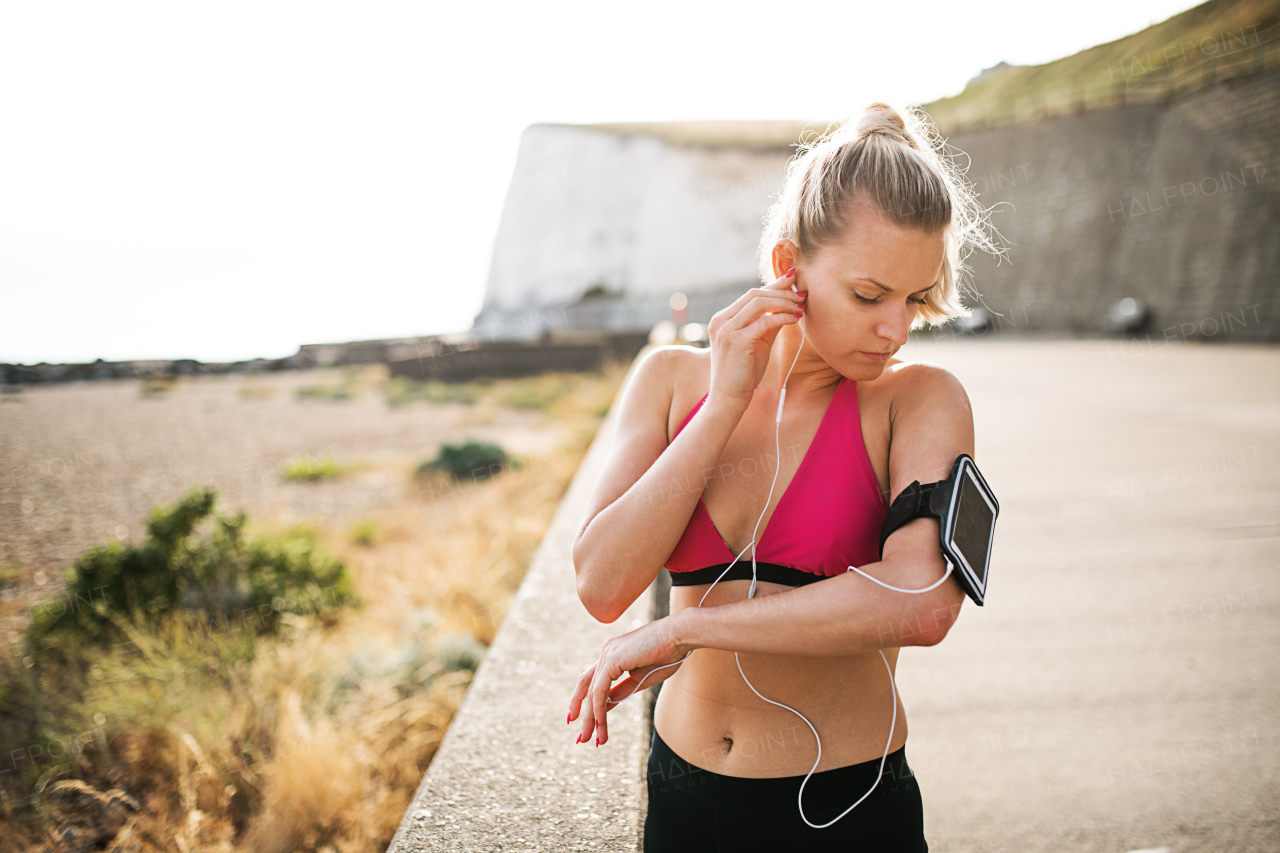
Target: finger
x,y
765,330
784,281
767,322
588,724
576,705
599,689
778,287
775,302
606,673
641,679
625,688
579,691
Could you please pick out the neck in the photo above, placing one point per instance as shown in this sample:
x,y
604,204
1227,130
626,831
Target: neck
x,y
811,374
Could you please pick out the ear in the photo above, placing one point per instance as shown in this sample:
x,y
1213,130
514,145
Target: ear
x,y
786,255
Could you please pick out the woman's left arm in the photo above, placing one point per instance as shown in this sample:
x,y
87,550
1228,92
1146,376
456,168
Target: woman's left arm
x,y
931,423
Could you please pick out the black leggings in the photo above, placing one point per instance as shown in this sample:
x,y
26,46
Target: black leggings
x,y
696,810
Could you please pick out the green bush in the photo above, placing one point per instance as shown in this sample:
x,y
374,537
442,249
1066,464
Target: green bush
x,y
537,392
400,391
473,459
197,562
307,469
364,533
346,391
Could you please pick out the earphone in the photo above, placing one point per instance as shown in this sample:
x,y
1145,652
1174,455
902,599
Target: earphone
x,y
782,396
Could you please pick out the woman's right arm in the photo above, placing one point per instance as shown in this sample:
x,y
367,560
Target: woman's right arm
x,y
647,490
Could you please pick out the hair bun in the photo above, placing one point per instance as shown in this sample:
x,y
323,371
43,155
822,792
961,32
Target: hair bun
x,y
883,120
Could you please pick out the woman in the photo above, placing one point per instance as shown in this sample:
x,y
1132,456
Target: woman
x,y
787,714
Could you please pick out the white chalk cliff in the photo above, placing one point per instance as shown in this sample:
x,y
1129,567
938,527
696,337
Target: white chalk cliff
x,y
628,215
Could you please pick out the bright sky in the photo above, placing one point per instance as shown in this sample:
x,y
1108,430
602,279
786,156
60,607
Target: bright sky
x,y
222,181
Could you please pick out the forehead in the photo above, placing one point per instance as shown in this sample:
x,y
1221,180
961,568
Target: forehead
x,y
870,245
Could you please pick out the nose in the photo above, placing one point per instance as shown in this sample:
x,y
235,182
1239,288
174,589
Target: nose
x,y
895,325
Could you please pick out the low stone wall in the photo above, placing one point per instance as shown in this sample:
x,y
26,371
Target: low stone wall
x,y
508,775
511,359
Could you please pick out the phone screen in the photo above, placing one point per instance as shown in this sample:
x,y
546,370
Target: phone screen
x,y
974,520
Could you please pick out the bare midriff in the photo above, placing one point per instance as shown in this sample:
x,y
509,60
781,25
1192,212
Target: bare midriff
x,y
709,716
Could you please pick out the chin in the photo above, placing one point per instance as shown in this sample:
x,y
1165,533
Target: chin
x,y
859,369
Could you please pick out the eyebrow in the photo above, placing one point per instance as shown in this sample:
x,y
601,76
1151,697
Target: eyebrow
x,y
888,289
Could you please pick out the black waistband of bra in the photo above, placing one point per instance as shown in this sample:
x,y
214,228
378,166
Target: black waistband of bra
x,y
768,572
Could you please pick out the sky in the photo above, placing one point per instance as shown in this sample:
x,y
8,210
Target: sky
x,y
225,181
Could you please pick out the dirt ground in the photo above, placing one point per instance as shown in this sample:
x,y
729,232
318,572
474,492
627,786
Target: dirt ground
x,y
84,463
433,559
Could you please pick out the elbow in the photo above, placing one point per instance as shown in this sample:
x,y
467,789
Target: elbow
x,y
599,606
935,620
591,593
932,636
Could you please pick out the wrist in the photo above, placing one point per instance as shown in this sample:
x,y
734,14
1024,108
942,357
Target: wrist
x,y
730,411
684,629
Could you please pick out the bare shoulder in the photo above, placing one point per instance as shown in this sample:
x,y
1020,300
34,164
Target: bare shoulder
x,y
930,422
913,384
679,357
665,380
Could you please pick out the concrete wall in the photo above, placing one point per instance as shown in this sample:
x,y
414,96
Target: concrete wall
x,y
508,775
1177,206
511,359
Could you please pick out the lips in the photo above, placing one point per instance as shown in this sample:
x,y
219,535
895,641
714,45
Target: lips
x,y
878,356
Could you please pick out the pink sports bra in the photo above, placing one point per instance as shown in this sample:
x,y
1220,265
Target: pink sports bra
x,y
828,518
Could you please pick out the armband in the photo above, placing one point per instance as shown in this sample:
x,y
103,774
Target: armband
x,y
966,508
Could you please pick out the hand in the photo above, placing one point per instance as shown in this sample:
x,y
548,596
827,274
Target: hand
x,y
743,334
642,654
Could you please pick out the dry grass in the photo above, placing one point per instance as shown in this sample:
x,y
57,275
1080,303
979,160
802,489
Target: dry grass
x,y
317,739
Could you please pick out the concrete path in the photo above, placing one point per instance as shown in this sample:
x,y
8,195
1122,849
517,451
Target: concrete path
x,y
1119,690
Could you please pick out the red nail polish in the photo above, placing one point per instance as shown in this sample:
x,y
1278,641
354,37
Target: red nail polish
x,y
789,273
568,718
579,740
597,743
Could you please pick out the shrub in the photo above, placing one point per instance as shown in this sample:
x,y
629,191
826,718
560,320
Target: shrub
x,y
249,391
473,459
308,468
538,392
196,562
400,391
326,392
364,533
156,386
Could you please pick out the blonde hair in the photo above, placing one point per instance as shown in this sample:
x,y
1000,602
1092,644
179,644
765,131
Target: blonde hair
x,y
898,160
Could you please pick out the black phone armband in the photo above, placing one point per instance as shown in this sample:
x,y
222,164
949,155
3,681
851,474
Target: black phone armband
x,y
966,510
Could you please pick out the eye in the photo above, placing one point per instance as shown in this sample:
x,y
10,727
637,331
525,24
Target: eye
x,y
876,301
